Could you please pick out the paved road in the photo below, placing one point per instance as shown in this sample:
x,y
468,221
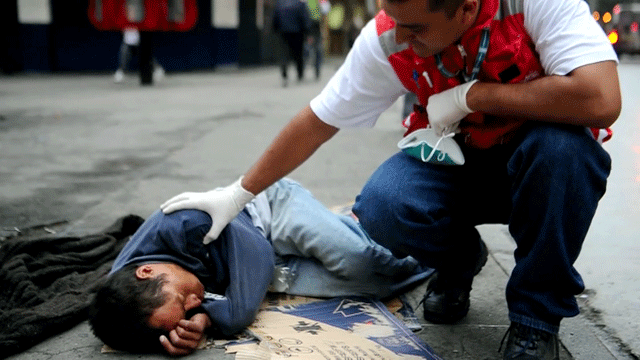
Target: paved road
x,y
82,149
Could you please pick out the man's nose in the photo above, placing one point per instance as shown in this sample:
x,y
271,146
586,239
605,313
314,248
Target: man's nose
x,y
191,302
403,35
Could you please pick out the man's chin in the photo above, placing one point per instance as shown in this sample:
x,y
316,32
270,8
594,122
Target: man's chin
x,y
424,53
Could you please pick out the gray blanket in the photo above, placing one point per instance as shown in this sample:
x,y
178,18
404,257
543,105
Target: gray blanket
x,y
46,283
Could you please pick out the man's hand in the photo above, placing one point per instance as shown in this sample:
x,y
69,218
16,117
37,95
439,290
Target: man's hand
x,y
446,109
186,337
222,204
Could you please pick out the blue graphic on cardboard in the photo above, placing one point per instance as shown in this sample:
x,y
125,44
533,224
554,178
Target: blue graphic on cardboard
x,y
346,313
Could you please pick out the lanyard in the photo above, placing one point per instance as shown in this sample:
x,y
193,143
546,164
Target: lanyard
x,y
482,52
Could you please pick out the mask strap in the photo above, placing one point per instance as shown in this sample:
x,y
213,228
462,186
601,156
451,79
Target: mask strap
x,y
442,155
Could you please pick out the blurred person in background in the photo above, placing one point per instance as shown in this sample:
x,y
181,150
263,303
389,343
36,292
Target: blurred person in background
x,y
318,9
292,22
130,46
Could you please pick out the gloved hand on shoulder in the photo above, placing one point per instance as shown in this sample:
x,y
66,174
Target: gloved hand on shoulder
x,y
222,204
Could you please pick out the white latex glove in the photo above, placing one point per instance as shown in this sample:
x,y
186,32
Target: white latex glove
x,y
222,204
446,109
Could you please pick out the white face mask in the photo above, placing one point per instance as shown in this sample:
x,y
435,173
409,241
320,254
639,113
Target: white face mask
x,y
425,145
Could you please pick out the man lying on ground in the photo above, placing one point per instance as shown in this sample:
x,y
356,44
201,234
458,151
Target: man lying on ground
x,y
168,287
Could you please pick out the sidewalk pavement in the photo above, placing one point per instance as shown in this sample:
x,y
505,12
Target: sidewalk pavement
x,y
91,151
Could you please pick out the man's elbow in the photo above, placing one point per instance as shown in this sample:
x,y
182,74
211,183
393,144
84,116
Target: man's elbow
x,y
238,324
606,109
599,87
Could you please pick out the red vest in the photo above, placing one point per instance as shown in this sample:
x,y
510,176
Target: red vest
x,y
510,58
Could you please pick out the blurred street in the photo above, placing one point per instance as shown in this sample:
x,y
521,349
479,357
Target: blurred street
x,y
610,257
78,151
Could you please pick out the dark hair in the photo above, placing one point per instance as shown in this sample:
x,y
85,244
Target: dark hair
x,y
119,312
449,6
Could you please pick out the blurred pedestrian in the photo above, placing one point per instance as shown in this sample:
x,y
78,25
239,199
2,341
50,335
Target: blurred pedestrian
x,y
291,21
318,10
130,46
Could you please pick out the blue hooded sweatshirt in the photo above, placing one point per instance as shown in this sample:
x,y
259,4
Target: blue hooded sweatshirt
x,y
236,269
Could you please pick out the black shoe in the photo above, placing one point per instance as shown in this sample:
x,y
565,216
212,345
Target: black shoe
x,y
443,304
530,344
447,300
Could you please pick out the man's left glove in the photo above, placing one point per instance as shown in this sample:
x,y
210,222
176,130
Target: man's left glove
x,y
222,204
446,109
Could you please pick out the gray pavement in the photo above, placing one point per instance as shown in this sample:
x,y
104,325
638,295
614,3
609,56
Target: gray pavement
x,y
81,149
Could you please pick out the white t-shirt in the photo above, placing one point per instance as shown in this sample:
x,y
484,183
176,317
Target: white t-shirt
x,y
565,35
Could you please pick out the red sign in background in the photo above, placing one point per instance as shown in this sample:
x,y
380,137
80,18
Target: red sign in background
x,y
144,15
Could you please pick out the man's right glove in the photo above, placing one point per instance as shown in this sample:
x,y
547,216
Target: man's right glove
x,y
222,204
446,109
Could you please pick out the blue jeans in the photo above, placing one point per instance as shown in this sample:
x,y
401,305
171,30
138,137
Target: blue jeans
x,y
329,254
545,183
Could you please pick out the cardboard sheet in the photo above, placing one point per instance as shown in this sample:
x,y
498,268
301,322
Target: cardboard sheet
x,y
340,328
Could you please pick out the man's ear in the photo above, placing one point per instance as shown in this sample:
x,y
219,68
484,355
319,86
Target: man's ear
x,y
144,272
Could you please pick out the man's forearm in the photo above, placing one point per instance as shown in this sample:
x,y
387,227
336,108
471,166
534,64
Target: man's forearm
x,y
302,136
589,96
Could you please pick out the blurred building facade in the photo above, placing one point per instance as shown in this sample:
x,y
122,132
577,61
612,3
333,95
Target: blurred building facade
x,y
56,35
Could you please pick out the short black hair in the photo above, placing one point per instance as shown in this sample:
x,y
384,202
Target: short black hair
x,y
449,6
120,310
